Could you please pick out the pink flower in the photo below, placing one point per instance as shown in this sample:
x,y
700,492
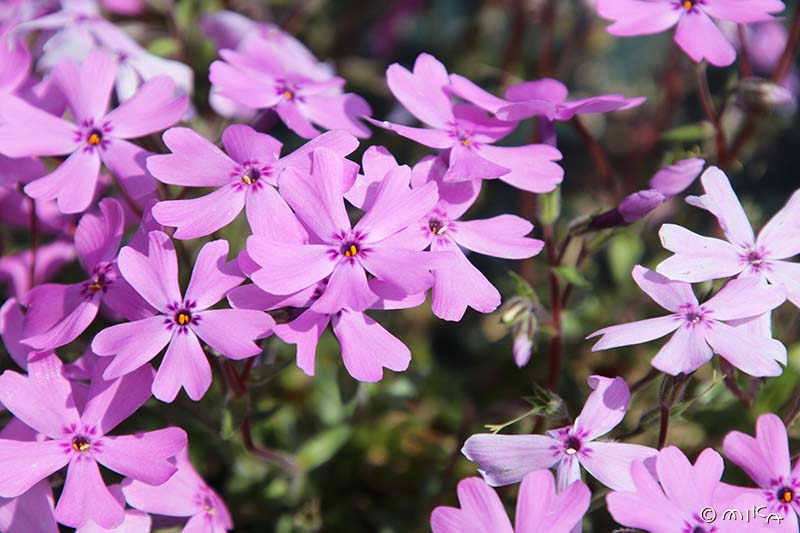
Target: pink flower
x,y
540,509
96,136
765,458
246,178
265,74
342,251
702,329
696,33
77,435
505,459
675,498
177,321
184,494
699,258
467,132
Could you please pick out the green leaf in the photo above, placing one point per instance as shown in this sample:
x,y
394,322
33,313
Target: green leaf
x,y
322,447
571,275
624,251
522,287
163,47
550,206
689,133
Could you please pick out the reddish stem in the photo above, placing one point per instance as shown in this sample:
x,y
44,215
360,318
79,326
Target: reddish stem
x,y
787,58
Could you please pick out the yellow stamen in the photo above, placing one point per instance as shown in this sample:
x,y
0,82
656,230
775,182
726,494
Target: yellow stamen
x,y
466,142
184,318
441,230
688,4
350,252
94,139
80,444
247,179
288,94
94,287
787,496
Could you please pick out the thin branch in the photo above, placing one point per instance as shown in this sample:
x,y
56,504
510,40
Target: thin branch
x,y
792,43
664,428
745,70
713,116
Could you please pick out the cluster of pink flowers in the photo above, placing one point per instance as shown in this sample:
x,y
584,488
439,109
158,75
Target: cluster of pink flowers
x,y
332,240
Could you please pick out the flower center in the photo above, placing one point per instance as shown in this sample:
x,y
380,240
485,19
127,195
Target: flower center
x,y
572,446
81,444
436,226
349,249
95,137
183,317
250,175
785,495
289,95
755,259
694,315
688,4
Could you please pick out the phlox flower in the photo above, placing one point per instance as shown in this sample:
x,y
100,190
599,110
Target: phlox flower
x,y
467,131
77,436
184,494
698,258
340,250
177,320
506,459
696,33
367,348
265,74
134,521
458,284
701,330
765,458
246,178
57,314
540,509
29,512
96,135
675,497
78,28
545,98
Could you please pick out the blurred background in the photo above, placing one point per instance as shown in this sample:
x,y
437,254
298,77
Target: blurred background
x,y
379,457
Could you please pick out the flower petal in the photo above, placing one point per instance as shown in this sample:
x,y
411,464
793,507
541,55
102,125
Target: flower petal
x,y
505,459
482,505
685,484
233,332
143,456
604,408
304,331
634,332
765,457
500,236
432,138
43,400
112,401
697,258
754,355
780,238
25,463
97,236
184,365
408,270
532,166
347,288
685,352
269,215
745,297
459,285
244,144
669,294
198,217
469,91
367,348
32,511
152,108
86,497
279,273
194,161
72,183
26,130
423,92
212,276
132,343
721,201
610,462
68,328
87,87
155,275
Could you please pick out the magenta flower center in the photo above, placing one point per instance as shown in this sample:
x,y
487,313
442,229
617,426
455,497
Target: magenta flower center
x,y
349,249
95,137
99,281
695,315
250,175
183,317
785,495
81,444
572,446
437,226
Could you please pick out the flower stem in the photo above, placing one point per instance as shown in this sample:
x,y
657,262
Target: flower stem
x,y
792,43
713,116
